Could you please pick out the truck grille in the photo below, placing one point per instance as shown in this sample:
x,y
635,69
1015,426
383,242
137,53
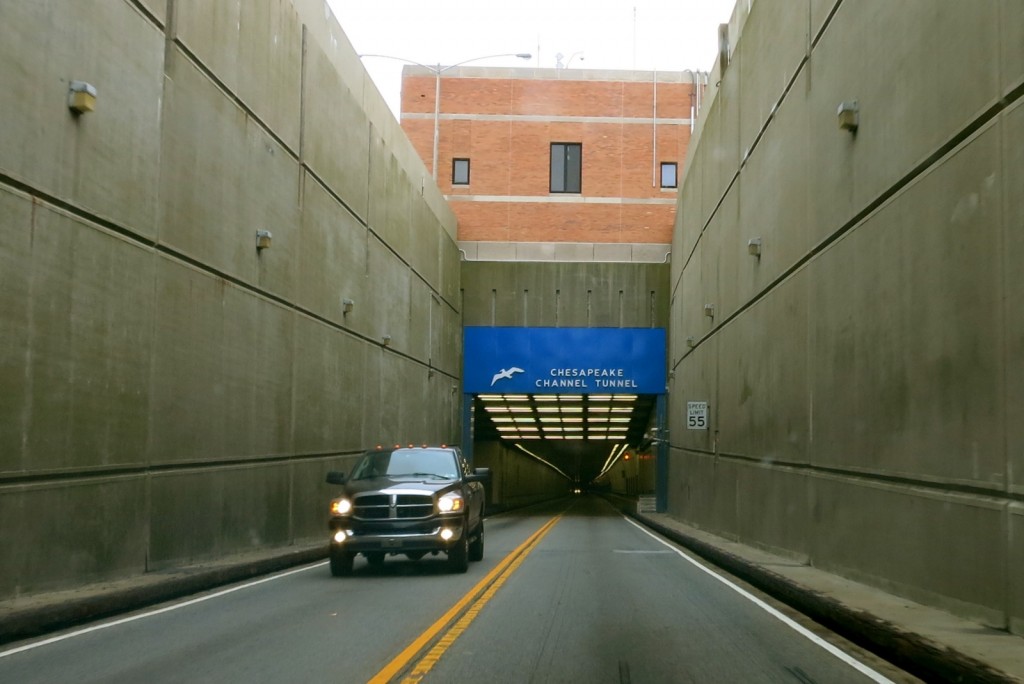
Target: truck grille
x,y
393,506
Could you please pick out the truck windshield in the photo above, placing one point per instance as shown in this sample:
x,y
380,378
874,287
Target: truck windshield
x,y
438,463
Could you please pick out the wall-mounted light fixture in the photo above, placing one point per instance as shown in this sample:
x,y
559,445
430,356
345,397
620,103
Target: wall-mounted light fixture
x,y
709,310
386,339
263,238
690,342
81,97
346,305
754,247
849,116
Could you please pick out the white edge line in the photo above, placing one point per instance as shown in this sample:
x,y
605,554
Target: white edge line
x,y
831,648
176,606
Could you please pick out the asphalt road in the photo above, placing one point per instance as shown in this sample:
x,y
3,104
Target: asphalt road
x,y
568,593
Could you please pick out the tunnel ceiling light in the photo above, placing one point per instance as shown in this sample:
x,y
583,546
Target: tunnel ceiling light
x,y
600,397
624,397
547,409
545,397
572,419
620,420
550,419
572,409
516,397
574,436
571,397
489,397
520,409
622,410
494,408
502,419
554,437
572,428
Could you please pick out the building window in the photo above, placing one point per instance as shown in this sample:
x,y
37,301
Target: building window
x,y
460,172
566,165
668,175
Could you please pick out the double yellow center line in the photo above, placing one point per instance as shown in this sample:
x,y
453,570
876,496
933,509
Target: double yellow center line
x,y
478,596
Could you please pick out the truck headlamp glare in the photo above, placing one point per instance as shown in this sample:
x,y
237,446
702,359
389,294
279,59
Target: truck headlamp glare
x,y
450,503
341,507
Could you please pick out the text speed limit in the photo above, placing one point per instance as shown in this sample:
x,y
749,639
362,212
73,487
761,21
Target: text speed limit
x,y
696,415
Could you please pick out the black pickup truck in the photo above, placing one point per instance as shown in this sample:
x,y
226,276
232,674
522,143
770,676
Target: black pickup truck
x,y
410,501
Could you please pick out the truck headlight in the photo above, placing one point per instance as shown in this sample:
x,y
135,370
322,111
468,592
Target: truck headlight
x,y
450,503
341,507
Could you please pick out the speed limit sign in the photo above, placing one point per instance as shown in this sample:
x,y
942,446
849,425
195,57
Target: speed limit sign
x,y
696,415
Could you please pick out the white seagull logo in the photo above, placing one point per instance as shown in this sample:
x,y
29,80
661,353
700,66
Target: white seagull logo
x,y
506,374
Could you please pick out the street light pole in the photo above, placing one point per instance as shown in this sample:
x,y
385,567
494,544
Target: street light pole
x,y
437,71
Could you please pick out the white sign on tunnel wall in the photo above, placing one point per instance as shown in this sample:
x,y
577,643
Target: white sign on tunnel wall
x,y
696,415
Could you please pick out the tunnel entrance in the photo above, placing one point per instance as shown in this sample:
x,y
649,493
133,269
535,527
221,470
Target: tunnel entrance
x,y
578,399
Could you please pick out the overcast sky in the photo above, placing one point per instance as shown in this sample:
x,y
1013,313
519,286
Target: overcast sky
x,y
663,35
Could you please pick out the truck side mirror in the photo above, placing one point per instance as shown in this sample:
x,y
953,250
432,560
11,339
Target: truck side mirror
x,y
337,477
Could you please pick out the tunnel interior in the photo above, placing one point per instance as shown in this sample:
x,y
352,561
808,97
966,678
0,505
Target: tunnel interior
x,y
579,435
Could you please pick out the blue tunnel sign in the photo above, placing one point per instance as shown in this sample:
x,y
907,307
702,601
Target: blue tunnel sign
x,y
564,360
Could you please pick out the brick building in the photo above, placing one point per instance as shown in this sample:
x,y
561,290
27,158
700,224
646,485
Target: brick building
x,y
555,164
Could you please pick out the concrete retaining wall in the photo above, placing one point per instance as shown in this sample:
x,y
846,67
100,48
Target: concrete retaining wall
x,y
171,393
865,371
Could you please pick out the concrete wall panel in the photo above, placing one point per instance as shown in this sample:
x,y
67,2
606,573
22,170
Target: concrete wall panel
x,y
15,282
565,294
332,260
937,50
389,297
238,513
775,212
392,196
250,184
903,331
105,161
763,408
236,378
156,8
144,328
336,131
1013,255
1016,560
890,355
774,44
1011,27
255,48
329,373
90,338
937,564
43,550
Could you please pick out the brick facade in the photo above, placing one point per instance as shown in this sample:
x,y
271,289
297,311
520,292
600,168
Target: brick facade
x,y
504,122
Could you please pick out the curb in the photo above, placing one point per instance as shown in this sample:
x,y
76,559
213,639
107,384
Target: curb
x,y
909,651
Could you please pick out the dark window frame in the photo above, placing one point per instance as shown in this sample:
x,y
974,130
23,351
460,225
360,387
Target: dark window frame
x,y
455,175
566,168
675,175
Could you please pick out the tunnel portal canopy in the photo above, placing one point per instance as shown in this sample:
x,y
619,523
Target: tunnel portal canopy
x,y
573,397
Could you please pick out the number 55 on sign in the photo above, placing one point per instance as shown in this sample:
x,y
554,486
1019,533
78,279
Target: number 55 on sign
x,y
696,415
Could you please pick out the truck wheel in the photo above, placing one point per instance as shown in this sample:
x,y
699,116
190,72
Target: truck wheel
x,y
341,562
458,555
476,547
